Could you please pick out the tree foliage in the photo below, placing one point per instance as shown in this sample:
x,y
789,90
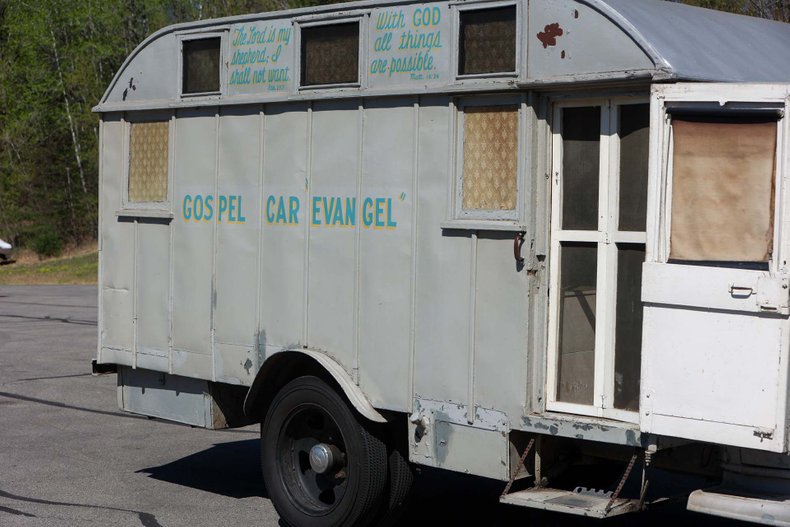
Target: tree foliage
x,y
57,58
771,9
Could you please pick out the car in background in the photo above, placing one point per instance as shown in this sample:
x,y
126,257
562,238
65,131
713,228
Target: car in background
x,y
5,250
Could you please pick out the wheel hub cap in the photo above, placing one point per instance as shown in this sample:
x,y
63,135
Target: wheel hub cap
x,y
322,458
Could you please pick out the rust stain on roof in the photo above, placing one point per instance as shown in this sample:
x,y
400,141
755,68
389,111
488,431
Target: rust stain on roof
x,y
548,36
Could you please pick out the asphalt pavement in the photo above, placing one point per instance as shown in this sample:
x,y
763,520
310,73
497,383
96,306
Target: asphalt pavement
x,y
68,456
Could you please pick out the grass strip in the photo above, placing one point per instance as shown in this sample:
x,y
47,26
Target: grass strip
x,y
82,269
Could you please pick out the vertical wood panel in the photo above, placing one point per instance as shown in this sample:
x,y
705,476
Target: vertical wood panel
x,y
385,252
333,213
193,241
282,266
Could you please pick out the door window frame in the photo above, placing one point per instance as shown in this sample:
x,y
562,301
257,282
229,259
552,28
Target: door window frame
x,y
665,143
607,238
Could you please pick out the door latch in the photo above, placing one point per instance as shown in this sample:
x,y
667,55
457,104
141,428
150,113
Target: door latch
x,y
740,291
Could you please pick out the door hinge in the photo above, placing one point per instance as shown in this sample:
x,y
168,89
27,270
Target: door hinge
x,y
764,434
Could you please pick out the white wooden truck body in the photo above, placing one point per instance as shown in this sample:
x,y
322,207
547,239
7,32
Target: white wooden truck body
x,y
329,223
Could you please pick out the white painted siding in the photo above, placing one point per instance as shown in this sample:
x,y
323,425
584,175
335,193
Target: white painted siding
x,y
285,158
193,243
385,254
332,257
443,267
238,235
117,250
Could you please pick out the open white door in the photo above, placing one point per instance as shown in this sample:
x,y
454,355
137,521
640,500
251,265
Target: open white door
x,y
715,280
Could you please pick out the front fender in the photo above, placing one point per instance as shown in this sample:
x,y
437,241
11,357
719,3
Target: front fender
x,y
289,364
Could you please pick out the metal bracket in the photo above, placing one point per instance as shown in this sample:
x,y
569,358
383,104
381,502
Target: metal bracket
x,y
102,369
518,467
620,485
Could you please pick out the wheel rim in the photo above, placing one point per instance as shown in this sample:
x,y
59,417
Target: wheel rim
x,y
313,493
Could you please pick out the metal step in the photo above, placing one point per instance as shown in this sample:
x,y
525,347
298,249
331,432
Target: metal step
x,y
579,501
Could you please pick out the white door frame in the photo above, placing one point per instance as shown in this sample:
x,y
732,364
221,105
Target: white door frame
x,y
671,290
606,238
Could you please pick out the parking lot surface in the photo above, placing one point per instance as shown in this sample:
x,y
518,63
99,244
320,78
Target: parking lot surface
x,y
68,456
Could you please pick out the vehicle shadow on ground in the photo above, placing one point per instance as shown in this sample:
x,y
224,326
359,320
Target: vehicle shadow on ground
x,y
228,469
231,469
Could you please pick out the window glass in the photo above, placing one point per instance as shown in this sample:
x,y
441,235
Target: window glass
x,y
578,277
201,65
488,41
581,144
148,153
634,131
330,54
628,326
722,189
490,163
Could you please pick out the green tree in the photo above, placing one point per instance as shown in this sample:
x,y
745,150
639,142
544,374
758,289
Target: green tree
x,y
771,9
56,59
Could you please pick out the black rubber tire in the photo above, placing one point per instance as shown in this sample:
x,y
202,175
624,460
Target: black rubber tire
x,y
308,410
401,479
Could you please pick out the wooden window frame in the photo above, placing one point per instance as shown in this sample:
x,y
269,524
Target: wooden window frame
x,y
512,220
606,237
664,249
223,47
487,6
148,208
361,55
715,98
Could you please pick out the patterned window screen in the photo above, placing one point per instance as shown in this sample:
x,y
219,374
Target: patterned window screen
x,y
330,54
148,162
490,163
201,65
723,189
488,41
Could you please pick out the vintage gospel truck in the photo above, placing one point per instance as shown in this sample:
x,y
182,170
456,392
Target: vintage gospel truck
x,y
508,238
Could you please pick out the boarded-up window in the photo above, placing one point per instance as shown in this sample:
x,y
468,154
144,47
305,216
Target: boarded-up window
x,y
201,65
487,41
330,54
490,163
148,162
722,189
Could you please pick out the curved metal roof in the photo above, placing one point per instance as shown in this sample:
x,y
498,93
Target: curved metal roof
x,y
701,44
